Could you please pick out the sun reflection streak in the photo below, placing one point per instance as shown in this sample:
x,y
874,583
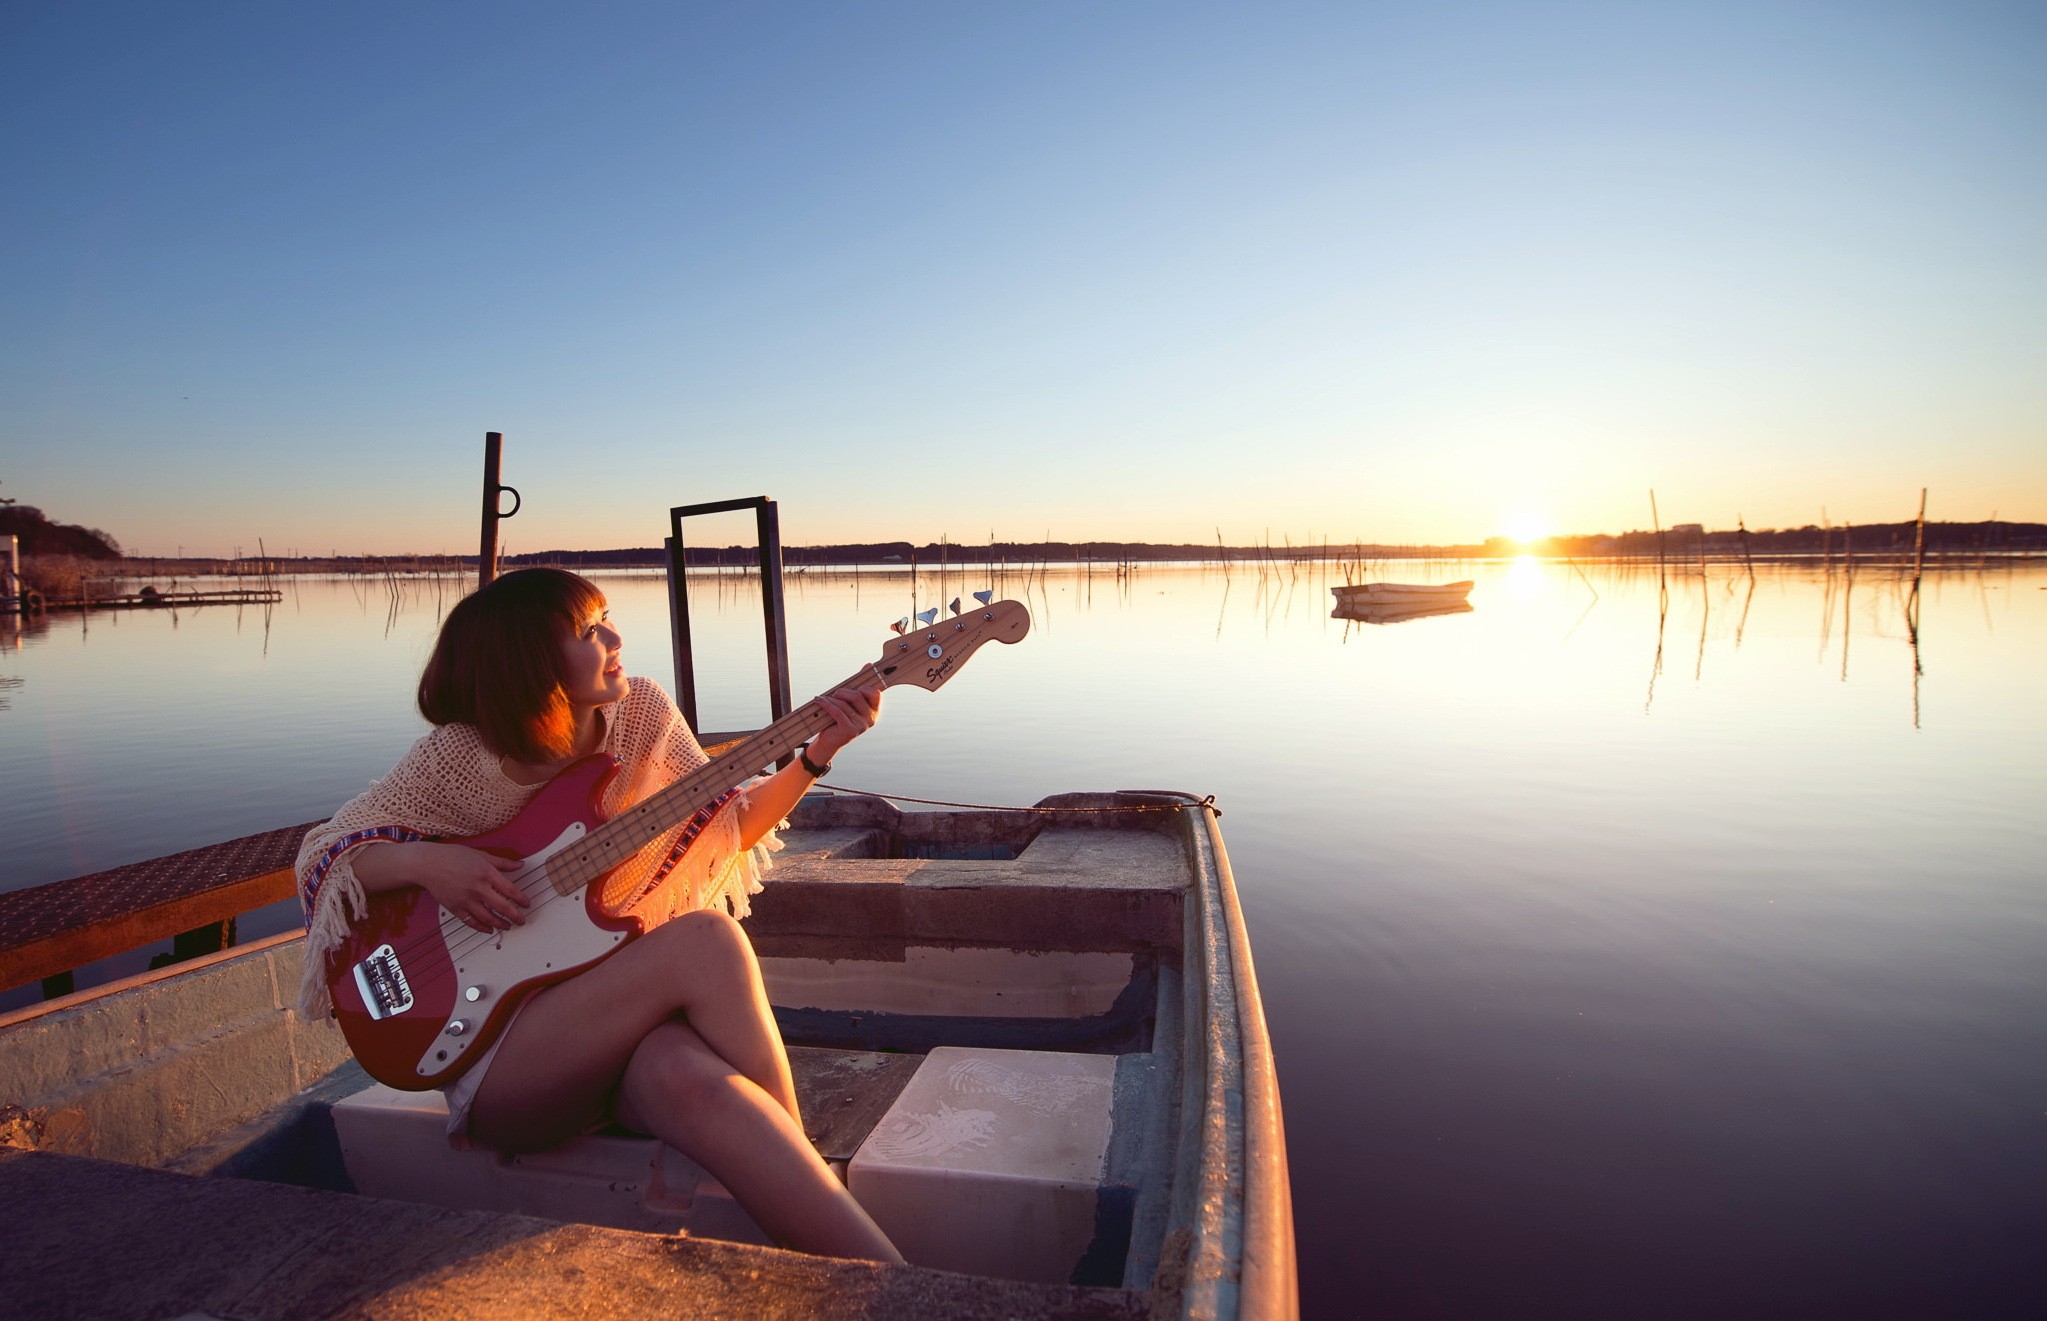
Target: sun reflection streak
x,y
1524,577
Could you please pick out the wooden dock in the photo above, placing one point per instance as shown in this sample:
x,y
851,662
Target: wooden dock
x,y
151,599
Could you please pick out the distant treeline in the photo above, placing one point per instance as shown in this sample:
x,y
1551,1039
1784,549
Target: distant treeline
x,y
1887,539
1686,540
40,536
1016,553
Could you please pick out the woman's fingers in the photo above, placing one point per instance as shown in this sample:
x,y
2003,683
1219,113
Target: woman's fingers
x,y
495,901
509,900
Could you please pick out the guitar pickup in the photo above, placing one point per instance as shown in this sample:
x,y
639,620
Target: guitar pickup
x,y
381,980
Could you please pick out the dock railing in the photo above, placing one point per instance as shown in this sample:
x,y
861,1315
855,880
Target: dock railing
x,y
191,898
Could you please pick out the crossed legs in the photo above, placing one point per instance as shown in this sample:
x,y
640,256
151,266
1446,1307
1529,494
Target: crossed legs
x,y
675,1032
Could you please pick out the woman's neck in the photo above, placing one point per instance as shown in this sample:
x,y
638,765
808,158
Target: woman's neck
x,y
589,738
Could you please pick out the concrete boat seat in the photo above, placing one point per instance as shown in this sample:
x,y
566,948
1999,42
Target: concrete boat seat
x,y
988,1162
997,1162
394,1144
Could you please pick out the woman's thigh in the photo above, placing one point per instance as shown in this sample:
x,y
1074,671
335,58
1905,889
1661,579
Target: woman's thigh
x,y
560,1061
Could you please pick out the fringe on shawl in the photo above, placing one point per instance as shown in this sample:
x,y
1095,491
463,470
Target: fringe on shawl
x,y
340,904
741,878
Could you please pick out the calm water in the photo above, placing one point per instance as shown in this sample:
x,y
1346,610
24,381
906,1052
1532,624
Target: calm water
x,y
1612,969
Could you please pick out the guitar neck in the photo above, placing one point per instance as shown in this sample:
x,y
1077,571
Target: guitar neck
x,y
645,821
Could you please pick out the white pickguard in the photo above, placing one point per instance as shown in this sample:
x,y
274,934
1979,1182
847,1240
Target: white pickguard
x,y
558,934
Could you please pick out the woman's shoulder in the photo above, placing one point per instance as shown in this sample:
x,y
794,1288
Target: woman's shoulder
x,y
646,697
646,718
446,747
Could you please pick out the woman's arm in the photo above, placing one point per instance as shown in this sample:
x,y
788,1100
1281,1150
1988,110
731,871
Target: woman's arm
x,y
469,883
854,711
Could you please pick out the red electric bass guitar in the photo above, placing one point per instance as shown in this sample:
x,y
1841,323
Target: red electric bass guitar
x,y
421,995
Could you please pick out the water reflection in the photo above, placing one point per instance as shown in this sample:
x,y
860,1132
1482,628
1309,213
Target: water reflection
x,y
1577,990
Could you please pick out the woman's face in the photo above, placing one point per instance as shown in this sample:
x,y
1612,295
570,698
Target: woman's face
x,y
591,672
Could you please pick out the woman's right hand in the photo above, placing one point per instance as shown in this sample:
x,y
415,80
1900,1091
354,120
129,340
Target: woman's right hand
x,y
471,884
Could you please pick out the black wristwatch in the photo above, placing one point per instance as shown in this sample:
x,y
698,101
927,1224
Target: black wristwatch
x,y
816,771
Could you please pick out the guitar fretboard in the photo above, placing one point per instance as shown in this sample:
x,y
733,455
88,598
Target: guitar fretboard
x,y
639,825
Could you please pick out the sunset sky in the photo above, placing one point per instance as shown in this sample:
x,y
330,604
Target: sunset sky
x,y
1098,270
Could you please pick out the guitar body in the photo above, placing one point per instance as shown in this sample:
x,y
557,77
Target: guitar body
x,y
420,995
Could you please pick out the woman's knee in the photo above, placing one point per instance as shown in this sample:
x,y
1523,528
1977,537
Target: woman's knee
x,y
676,1070
705,938
708,924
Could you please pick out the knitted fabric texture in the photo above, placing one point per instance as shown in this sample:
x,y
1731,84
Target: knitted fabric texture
x,y
451,785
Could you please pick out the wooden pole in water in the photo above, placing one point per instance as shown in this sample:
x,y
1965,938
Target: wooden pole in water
x,y
1919,542
14,600
487,553
1656,521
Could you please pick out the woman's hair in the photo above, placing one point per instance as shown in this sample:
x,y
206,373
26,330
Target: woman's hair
x,y
497,664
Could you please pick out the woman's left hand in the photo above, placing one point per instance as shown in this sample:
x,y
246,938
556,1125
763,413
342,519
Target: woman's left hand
x,y
854,709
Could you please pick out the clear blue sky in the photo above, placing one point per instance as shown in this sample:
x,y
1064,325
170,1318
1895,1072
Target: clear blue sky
x,y
1104,270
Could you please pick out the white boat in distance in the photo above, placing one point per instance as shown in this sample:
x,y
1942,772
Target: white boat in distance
x,y
1417,594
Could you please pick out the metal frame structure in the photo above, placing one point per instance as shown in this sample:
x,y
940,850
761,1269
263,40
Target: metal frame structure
x,y
767,521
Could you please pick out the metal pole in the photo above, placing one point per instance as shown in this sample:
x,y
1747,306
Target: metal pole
x,y
487,554
768,520
678,614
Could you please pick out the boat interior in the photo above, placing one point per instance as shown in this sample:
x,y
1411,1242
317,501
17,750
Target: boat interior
x,y
1018,1036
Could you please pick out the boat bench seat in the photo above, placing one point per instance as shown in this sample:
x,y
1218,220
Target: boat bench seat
x,y
394,1144
991,1162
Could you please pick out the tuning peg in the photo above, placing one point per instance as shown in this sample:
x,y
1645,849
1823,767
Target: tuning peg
x,y
900,626
928,616
984,597
955,607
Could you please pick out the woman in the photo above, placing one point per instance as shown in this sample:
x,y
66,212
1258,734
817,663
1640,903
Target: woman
x,y
672,1035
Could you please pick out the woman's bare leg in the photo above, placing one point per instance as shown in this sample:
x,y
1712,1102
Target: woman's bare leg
x,y
683,1092
558,1066
716,1087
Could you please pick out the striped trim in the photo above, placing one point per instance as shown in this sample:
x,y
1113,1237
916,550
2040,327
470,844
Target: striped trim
x,y
316,875
690,831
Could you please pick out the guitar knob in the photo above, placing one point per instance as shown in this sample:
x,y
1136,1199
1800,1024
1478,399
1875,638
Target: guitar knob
x,y
473,994
457,1028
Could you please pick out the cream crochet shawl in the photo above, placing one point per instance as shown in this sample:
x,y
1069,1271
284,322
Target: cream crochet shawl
x,y
451,785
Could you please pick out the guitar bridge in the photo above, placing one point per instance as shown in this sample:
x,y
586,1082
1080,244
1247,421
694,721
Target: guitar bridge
x,y
381,980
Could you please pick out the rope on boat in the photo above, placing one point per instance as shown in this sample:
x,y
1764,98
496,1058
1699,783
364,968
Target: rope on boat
x,y
1207,802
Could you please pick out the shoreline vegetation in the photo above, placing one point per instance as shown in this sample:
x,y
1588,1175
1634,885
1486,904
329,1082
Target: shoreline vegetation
x,y
69,564
1947,542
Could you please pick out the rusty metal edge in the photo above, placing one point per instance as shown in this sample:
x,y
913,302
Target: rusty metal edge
x,y
1235,1214
1269,1285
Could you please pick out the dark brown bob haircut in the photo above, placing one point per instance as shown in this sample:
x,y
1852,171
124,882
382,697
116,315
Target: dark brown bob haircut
x,y
497,664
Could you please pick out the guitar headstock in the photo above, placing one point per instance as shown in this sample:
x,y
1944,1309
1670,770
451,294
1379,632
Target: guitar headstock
x,y
929,650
